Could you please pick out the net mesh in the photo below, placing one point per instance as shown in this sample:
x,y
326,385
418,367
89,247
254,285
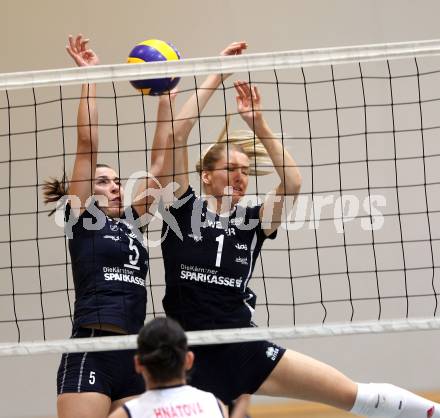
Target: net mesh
x,y
360,246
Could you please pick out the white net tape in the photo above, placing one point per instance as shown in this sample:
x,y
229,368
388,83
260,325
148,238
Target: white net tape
x,y
225,65
225,336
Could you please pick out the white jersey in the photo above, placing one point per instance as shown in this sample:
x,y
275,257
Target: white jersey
x,y
174,402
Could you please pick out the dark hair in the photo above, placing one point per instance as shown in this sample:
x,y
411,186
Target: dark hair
x,y
54,189
162,347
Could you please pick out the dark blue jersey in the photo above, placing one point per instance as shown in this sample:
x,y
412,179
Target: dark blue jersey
x,y
209,261
109,266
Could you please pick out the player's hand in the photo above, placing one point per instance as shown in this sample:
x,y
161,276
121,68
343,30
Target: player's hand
x,y
248,103
235,48
173,94
169,97
77,49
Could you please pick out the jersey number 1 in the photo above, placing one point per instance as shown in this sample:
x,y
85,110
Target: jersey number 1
x,y
220,240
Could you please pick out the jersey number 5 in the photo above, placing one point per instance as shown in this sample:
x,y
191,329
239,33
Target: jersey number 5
x,y
133,258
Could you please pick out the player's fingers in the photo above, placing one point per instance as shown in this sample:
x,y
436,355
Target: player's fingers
x,y
89,53
239,88
239,101
244,85
78,42
71,43
232,49
84,44
247,90
255,93
173,92
239,82
69,51
239,46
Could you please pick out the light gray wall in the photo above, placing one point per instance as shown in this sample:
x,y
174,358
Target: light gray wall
x,y
33,36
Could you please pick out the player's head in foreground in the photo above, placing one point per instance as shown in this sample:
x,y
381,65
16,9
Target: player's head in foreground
x,y
162,355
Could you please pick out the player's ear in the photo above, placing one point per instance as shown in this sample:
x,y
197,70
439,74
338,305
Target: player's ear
x,y
206,177
137,365
189,360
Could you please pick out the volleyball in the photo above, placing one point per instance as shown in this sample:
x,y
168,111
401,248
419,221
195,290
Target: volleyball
x,y
149,51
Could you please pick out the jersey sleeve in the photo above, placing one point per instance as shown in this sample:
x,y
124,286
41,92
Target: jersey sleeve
x,y
74,225
185,201
177,214
132,216
255,214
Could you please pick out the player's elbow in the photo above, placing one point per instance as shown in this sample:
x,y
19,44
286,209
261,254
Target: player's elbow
x,y
159,173
292,186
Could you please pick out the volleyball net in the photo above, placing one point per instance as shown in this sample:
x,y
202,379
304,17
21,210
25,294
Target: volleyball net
x,y
358,253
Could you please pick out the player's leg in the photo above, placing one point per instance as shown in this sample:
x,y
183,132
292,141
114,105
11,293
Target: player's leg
x,y
83,384
385,400
127,383
83,405
299,376
239,408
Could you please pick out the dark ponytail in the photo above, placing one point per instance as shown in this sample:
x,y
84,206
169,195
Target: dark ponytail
x,y
162,348
54,189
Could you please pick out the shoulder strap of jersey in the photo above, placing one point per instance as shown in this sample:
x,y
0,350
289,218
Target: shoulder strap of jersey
x,y
127,411
253,212
220,407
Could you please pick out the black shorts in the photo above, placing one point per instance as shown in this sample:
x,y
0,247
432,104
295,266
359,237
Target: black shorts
x,y
230,370
109,372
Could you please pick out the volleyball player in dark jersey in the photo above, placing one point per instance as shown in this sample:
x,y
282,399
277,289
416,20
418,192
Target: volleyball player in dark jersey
x,y
209,264
109,263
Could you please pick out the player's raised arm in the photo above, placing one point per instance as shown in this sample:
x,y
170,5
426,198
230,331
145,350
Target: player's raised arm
x,y
160,165
249,106
187,117
81,183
